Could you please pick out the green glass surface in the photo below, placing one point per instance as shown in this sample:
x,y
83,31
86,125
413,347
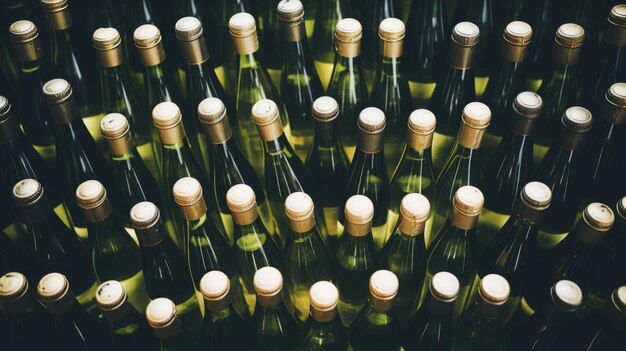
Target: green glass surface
x,y
181,341
428,329
609,260
603,331
131,333
375,330
78,330
508,80
223,330
374,12
273,328
477,330
323,336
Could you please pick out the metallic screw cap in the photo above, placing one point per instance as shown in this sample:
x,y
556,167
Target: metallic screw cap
x,y
299,206
52,287
537,195
54,5
599,216
166,115
567,295
348,30
240,198
577,119
290,10
621,207
570,35
27,192
12,286
468,200
617,94
188,28
268,281
415,207
476,115
214,286
617,15
325,109
444,287
160,312
422,121
147,36
518,33
113,126
384,285
242,25
265,112
110,295
144,215
90,194
494,289
187,191
372,120
22,31
359,209
391,30
619,298
466,34
5,106
106,38
211,111
324,296
57,91
528,104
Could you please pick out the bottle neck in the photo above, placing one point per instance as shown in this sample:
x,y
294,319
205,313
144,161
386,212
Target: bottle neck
x,y
437,307
122,148
153,236
565,56
327,134
121,315
460,57
277,145
350,64
20,306
370,143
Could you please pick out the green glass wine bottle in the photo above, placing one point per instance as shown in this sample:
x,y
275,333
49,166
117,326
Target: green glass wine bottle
x,y
464,162
550,327
253,84
405,253
560,87
391,93
227,165
329,13
377,327
355,259
511,166
375,12
414,172
508,80
300,84
168,327
75,329
455,89
34,118
328,164
223,326
307,259
559,170
128,329
29,326
430,328
165,270
273,328
480,325
78,157
119,94
605,331
136,13
347,84
513,251
56,246
367,174
323,329
455,249
67,62
114,254
179,161
543,16
254,246
284,172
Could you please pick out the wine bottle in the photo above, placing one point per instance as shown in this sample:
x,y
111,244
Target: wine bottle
x,y
426,31
455,88
347,84
227,165
179,161
329,14
307,259
605,330
273,328
405,253
323,329
299,82
135,182
414,172
164,268
119,94
127,328
168,327
253,84
56,246
569,260
508,80
114,254
377,327
391,93
602,168
367,174
543,16
75,329
560,87
254,246
328,164
463,166
548,329
271,37
374,13
34,117
455,248
511,166
513,251
284,172
480,325
78,158
355,259
559,171
67,62
136,13
201,81
430,327
222,326
29,326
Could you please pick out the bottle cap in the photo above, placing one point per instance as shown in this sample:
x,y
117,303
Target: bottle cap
x,y
621,208
56,14
27,192
57,91
348,35
106,39
325,109
518,33
5,107
619,299
383,287
299,209
211,110
324,298
13,285
242,25
267,119
54,5
359,212
147,36
161,312
444,287
215,288
391,32
421,125
614,108
566,295
144,215
476,117
599,216
192,45
466,206
617,15
528,104
23,31
111,295
466,34
290,10
91,197
615,28
167,119
570,35
53,287
577,119
268,284
114,126
536,195
414,211
371,125
241,201
494,289
188,28
187,193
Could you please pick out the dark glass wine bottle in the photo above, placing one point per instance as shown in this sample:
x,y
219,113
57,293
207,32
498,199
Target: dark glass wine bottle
x,y
367,174
373,14
329,13
454,248
299,84
165,271
391,92
347,84
271,37
605,330
136,13
455,89
405,253
13,258
75,329
127,328
355,259
430,327
168,327
323,329
543,16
